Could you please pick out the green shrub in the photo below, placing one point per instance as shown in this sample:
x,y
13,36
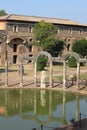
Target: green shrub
x,y
80,47
41,63
72,62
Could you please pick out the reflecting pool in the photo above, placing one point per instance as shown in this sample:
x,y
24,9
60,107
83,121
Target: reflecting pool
x,y
25,109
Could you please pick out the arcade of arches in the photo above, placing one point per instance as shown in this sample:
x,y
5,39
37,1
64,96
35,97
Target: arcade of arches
x,y
62,60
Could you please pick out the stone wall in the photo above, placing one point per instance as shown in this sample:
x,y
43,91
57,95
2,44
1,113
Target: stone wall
x,y
23,31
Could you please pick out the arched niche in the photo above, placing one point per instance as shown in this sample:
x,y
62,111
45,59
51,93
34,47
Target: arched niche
x,y
19,47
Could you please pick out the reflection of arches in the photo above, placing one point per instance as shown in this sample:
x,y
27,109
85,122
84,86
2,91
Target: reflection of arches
x,y
35,117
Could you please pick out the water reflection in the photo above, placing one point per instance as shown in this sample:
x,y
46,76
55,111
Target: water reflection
x,y
39,106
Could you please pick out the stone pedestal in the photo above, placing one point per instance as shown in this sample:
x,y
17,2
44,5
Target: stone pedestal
x,y
43,76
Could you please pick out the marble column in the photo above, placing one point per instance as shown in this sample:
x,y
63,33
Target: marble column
x,y
64,74
51,75
78,76
35,74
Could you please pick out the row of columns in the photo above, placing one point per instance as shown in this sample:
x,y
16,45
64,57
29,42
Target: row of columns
x,y
20,71
50,78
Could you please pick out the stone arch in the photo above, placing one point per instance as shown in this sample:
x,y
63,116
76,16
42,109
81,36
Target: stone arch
x,y
65,57
45,54
22,38
18,47
35,63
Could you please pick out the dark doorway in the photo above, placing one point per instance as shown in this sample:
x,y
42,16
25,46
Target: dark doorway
x,y
15,59
14,47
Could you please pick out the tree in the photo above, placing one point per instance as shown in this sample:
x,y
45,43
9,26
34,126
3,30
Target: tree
x,y
42,30
80,47
53,45
45,37
2,12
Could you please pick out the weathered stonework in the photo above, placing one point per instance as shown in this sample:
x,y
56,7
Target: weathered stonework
x,y
19,33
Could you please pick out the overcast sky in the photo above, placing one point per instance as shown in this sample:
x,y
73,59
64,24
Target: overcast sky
x,y
65,9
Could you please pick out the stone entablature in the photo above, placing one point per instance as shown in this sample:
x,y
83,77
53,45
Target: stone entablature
x,y
19,33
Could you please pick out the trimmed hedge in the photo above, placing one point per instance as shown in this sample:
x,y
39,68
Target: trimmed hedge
x,y
41,63
72,62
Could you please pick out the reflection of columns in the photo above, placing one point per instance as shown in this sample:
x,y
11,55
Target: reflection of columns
x,y
21,74
21,92
6,73
64,106
64,74
77,107
6,100
50,103
43,100
35,102
35,74
78,75
51,74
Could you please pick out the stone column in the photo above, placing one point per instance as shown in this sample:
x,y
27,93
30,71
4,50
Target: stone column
x,y
78,75
35,74
6,73
64,74
21,75
51,75
43,77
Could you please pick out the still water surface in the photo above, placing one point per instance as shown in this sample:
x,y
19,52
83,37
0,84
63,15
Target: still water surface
x,y
28,109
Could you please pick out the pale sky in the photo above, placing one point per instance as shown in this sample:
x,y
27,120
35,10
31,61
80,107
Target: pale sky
x,y
65,9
